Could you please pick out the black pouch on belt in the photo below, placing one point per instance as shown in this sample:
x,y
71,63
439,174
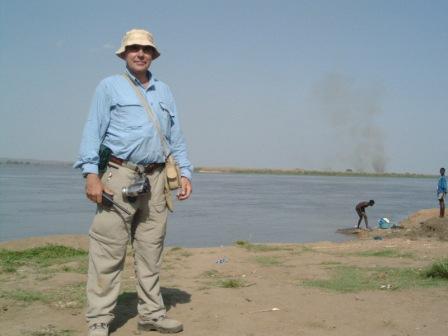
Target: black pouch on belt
x,y
104,155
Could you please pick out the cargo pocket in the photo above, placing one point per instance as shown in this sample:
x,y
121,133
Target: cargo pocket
x,y
115,179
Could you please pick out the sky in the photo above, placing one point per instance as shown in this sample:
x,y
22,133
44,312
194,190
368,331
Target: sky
x,y
319,84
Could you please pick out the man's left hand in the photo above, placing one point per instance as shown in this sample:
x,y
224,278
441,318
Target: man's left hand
x,y
185,190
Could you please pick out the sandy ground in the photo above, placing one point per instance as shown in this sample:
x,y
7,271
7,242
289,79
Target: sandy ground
x,y
273,299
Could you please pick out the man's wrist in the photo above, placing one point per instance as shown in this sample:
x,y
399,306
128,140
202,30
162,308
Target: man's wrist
x,y
89,168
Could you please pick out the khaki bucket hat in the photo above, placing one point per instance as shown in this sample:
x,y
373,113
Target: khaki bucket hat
x,y
140,37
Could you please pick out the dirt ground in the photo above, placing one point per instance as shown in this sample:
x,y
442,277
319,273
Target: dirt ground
x,y
271,297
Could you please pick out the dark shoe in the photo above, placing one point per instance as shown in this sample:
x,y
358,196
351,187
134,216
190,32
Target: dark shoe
x,y
162,324
99,329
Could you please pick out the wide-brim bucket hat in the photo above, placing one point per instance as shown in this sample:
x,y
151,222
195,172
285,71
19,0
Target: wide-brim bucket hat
x,y
139,37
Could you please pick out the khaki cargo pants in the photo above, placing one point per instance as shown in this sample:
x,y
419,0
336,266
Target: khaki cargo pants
x,y
109,235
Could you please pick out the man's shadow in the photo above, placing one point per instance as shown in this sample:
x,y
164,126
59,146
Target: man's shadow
x,y
126,307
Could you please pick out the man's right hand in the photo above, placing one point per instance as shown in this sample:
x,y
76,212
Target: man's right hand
x,y
94,188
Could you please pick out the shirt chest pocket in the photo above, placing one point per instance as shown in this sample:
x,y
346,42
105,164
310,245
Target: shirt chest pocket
x,y
130,114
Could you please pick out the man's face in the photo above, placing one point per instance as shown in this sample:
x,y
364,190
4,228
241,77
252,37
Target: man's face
x,y
138,58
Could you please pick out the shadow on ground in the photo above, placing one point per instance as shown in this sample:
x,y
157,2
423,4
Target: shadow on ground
x,y
126,308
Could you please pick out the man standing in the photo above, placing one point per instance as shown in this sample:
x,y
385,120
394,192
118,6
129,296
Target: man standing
x,y
361,211
441,192
119,122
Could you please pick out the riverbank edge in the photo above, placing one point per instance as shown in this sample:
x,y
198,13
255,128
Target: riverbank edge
x,y
409,227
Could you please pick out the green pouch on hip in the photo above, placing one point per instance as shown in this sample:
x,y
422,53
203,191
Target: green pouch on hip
x,y
104,155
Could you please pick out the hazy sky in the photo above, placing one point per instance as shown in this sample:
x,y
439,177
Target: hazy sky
x,y
294,84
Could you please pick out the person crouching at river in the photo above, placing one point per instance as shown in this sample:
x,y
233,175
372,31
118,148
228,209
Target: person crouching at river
x,y
361,211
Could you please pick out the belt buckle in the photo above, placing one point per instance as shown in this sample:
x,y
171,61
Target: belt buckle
x,y
132,166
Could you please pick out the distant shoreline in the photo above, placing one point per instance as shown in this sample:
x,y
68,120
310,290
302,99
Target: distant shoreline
x,y
240,170
34,162
299,171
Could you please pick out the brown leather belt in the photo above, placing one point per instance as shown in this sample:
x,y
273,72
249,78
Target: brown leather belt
x,y
148,168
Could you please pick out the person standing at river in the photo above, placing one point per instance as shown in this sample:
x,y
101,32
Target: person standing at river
x,y
441,192
118,124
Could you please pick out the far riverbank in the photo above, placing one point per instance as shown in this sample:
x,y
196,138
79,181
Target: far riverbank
x,y
243,170
300,171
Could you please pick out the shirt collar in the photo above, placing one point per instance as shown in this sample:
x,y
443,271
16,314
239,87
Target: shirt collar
x,y
152,80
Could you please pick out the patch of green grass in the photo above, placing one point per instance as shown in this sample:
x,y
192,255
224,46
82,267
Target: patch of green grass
x,y
220,280
9,269
268,261
388,253
25,295
354,279
439,269
71,296
231,283
43,256
175,248
260,247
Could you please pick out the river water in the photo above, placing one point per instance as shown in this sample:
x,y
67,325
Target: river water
x,y
39,200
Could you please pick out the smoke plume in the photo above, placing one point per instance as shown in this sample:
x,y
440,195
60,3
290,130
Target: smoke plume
x,y
355,138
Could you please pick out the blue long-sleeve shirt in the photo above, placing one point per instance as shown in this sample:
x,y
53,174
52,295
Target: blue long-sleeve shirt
x,y
118,120
441,186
